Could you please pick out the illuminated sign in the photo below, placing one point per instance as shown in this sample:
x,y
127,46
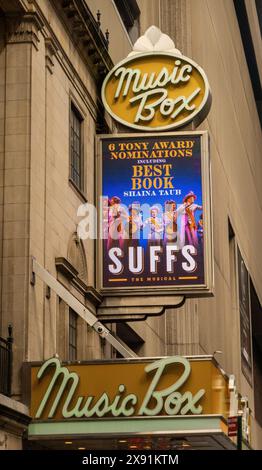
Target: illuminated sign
x,y
156,230
155,89
166,387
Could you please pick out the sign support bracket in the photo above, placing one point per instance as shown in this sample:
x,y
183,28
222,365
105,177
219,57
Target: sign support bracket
x,y
79,308
135,312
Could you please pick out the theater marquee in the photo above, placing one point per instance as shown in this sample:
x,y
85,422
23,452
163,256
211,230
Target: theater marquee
x,y
165,387
141,399
155,230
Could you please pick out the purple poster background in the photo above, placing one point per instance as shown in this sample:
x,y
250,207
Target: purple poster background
x,y
153,224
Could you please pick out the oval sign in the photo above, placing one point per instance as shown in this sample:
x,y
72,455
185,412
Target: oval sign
x,y
157,91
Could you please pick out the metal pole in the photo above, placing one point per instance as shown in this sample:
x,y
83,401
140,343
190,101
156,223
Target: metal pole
x,y
10,340
79,308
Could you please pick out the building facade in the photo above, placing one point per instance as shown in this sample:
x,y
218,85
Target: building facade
x,y
54,55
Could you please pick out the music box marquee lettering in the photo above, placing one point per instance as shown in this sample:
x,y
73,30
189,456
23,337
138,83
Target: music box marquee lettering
x,y
151,86
156,401
156,89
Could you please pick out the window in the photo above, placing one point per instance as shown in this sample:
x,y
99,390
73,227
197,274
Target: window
x,y
233,268
76,151
72,335
256,317
249,49
130,14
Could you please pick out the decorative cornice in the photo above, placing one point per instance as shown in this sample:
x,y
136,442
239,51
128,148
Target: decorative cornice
x,y
93,296
86,34
13,420
50,51
24,29
64,267
94,106
90,293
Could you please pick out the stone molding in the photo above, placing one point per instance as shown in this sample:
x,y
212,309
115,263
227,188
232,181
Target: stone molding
x,y
50,52
24,29
14,416
64,267
84,31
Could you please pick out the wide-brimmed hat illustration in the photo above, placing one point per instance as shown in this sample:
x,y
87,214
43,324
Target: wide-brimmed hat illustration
x,y
115,200
190,194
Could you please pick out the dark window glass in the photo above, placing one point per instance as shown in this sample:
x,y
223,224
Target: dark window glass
x,y
125,333
244,26
72,335
130,14
256,315
76,154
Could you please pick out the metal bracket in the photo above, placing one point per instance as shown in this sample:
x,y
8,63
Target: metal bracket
x,y
79,308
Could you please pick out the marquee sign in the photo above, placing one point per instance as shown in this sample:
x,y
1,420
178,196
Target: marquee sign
x,y
155,232
156,88
168,386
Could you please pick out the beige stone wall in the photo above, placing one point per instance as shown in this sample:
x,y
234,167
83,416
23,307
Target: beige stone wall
x,y
14,418
38,204
153,332
150,13
235,138
9,441
119,41
2,138
207,30
15,201
54,210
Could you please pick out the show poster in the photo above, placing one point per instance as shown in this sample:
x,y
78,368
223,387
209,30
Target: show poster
x,y
153,225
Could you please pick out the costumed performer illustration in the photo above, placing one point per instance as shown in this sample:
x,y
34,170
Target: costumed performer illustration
x,y
117,217
200,229
135,224
155,226
188,229
170,221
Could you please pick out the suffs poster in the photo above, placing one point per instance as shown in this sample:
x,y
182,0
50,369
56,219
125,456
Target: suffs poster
x,y
153,227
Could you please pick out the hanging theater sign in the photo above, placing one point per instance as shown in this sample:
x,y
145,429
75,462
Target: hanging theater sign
x,y
153,188
176,94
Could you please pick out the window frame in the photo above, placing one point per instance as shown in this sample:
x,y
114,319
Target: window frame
x,y
72,327
74,111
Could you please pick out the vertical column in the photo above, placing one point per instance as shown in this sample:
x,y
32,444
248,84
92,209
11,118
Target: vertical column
x,y
2,141
150,14
20,40
50,304
175,21
37,293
